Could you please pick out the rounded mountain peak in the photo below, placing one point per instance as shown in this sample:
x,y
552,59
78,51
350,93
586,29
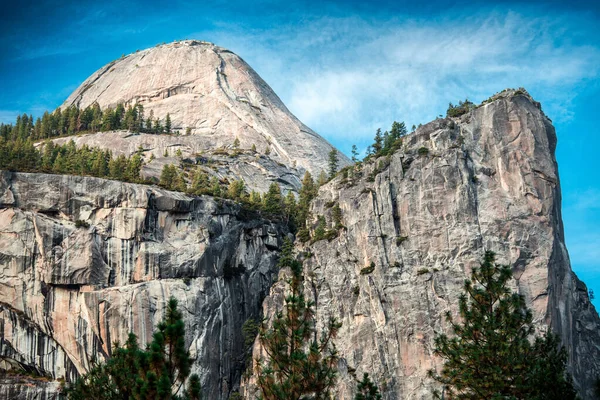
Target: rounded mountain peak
x,y
208,92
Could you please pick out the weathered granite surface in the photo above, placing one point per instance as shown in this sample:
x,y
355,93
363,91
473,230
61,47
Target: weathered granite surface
x,y
424,217
213,92
256,169
84,261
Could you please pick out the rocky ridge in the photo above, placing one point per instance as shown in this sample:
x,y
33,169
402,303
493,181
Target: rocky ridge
x,y
423,217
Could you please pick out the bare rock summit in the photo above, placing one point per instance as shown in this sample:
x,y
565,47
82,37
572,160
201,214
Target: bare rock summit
x,y
211,93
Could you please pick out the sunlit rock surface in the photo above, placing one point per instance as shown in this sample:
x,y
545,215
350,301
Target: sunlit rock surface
x,y
84,261
424,217
211,91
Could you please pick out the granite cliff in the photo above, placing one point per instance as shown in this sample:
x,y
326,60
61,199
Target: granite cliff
x,y
84,261
424,217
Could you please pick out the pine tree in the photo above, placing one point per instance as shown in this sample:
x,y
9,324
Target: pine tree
x,y
273,202
490,355
168,123
215,187
291,210
354,153
367,390
132,373
299,365
167,176
378,145
236,143
322,178
333,163
236,190
308,192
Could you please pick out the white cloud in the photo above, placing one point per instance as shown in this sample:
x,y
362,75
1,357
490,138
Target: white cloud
x,y
344,77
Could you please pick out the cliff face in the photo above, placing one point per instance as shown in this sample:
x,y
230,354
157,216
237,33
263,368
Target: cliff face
x,y
84,261
211,91
424,217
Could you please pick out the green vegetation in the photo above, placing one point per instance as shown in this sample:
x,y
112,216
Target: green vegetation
x,y
400,240
423,151
354,153
299,364
388,142
368,270
491,355
158,372
72,120
461,108
333,163
81,224
367,390
18,155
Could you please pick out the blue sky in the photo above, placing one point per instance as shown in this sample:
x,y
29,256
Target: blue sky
x,y
347,68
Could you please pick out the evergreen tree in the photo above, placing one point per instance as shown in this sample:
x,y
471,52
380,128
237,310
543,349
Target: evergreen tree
x,y
336,215
322,178
167,176
149,126
299,364
215,187
308,192
236,190
367,390
155,373
199,182
255,199
236,143
333,163
378,145
273,202
168,123
157,126
354,153
320,229
291,210
490,355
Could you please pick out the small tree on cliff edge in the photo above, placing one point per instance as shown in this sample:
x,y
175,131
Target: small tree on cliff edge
x,y
491,356
299,364
155,373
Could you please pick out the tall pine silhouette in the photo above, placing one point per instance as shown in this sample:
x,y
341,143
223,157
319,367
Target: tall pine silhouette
x,y
299,363
159,372
490,355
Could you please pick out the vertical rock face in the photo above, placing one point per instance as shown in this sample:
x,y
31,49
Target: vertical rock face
x,y
84,261
424,217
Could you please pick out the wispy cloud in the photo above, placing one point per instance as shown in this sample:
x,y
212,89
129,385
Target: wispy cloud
x,y
347,76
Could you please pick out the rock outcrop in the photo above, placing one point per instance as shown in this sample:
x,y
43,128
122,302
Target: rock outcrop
x,y
257,170
424,217
211,91
84,261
